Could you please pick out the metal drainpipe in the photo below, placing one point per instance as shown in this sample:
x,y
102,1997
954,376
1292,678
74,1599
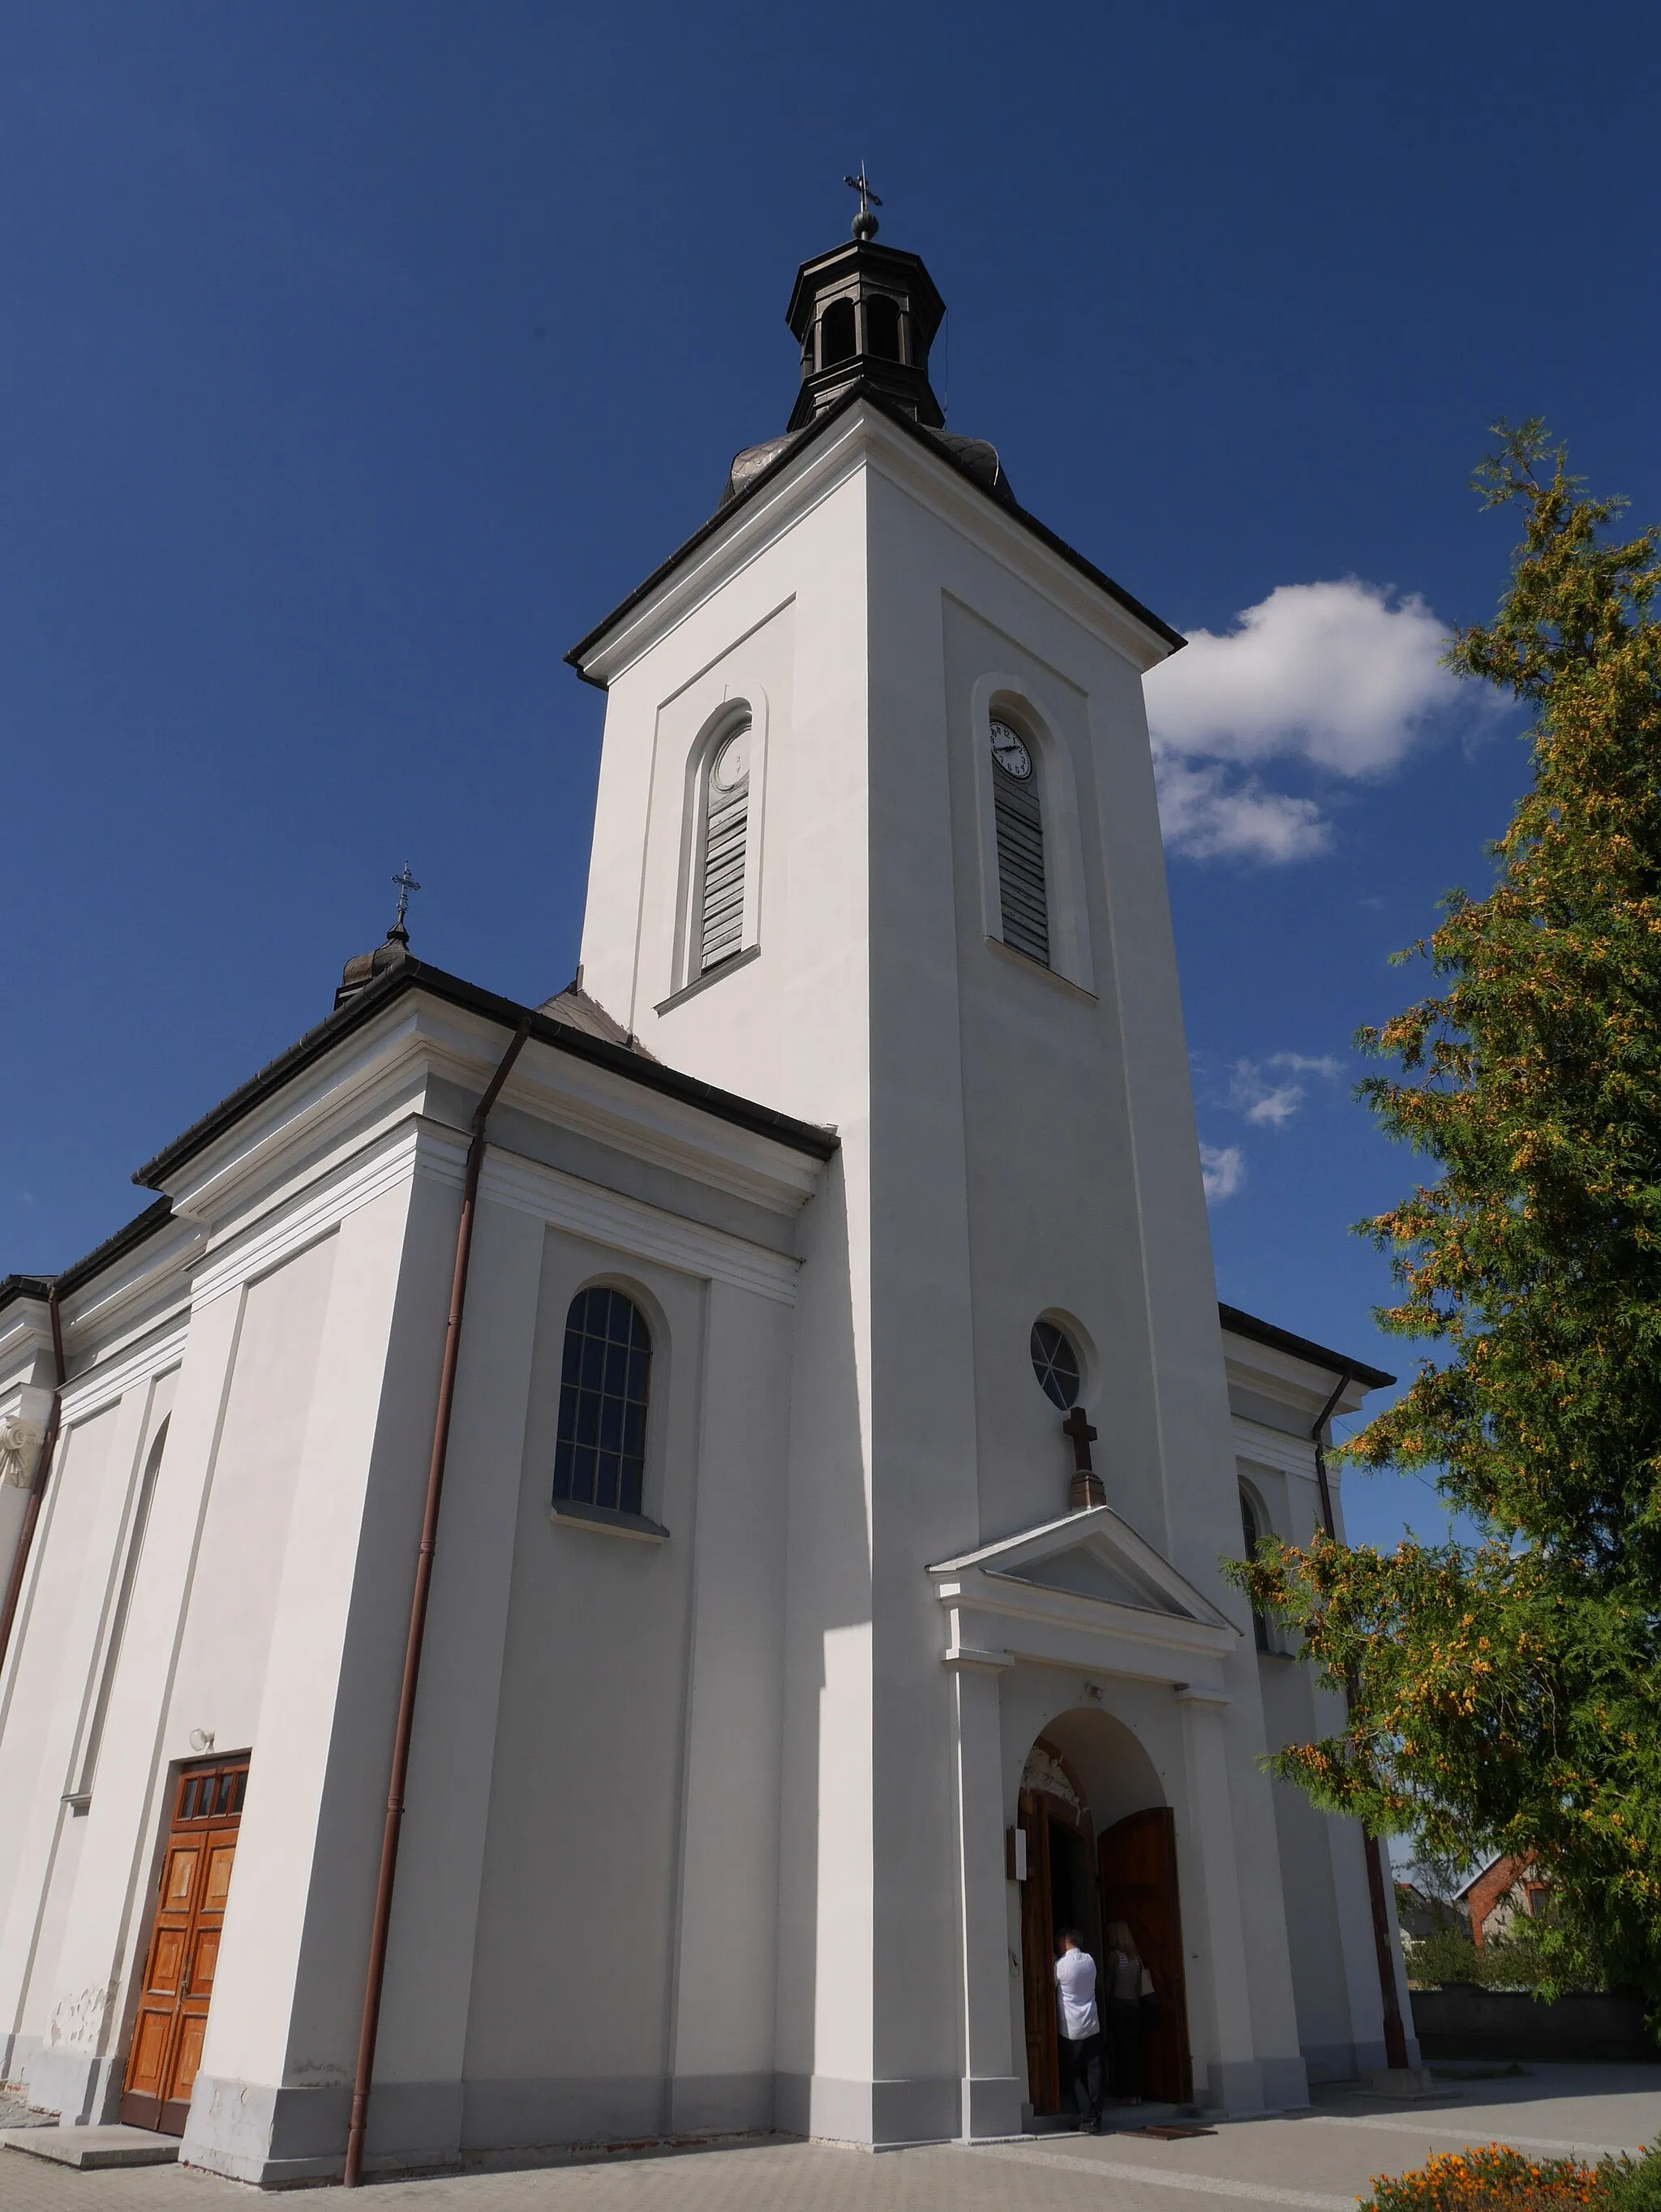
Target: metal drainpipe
x,y
1395,2034
429,1529
38,1487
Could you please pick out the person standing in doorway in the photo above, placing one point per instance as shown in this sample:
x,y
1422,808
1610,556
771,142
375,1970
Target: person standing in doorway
x,y
1081,2028
1129,1993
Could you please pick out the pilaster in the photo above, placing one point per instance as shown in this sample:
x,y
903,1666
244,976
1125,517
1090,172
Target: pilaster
x,y
991,2092
271,2102
1233,2080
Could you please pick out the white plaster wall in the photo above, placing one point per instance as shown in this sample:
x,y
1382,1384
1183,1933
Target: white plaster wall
x,y
419,2059
120,1851
213,1571
221,1676
571,1974
54,1639
625,1962
71,1985
291,1966
725,1972
624,1956
791,1028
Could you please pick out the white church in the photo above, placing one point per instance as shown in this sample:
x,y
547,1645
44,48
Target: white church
x,y
808,1369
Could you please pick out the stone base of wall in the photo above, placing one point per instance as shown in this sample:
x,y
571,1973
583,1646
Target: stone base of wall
x,y
1462,2020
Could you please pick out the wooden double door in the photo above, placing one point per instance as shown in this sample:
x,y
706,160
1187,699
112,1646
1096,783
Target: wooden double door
x,y
184,1947
1129,1875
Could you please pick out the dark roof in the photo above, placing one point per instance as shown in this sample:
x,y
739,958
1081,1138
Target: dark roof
x,y
573,1006
141,1227
1281,1339
559,1024
966,466
411,974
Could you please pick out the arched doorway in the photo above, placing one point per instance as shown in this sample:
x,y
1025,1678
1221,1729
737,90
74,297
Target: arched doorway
x,y
1101,1846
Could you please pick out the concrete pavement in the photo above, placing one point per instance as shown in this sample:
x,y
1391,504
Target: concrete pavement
x,y
1316,2161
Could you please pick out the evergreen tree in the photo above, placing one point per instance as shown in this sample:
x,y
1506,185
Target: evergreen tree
x,y
1507,1696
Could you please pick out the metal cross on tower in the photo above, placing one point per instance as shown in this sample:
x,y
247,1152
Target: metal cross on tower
x,y
865,223
406,884
1087,1489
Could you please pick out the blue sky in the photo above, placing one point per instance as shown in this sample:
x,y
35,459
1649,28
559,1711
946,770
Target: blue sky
x,y
356,359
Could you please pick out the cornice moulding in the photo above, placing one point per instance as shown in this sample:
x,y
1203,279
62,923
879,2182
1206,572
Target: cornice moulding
x,y
112,1378
826,464
133,1297
629,1224
25,1332
376,1079
1254,1440
1281,1374
937,486
307,1216
863,435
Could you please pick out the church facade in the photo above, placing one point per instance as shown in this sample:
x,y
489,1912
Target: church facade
x,y
844,1438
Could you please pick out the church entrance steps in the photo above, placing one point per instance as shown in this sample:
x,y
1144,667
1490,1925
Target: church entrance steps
x,y
93,2149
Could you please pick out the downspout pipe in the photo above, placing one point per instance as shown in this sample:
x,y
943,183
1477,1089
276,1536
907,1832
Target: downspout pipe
x,y
375,1979
38,1487
1394,2032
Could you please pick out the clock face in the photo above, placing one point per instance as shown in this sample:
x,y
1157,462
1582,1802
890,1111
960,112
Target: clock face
x,y
731,763
1008,751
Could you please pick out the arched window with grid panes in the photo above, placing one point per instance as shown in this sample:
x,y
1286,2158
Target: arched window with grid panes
x,y
725,853
605,1387
1018,818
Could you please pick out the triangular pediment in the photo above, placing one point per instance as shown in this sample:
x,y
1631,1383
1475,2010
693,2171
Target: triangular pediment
x,y
1091,1570
1091,1554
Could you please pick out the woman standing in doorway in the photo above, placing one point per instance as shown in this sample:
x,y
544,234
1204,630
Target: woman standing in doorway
x,y
1129,1988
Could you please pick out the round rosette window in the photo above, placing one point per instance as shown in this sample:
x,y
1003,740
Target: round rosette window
x,y
1057,1364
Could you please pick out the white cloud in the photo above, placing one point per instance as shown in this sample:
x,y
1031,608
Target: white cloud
x,y
1223,1169
1270,1104
1210,814
1332,672
1344,675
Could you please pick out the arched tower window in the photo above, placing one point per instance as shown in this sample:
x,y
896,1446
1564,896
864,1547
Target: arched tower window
x,y
725,853
599,1458
836,339
1252,1536
883,327
1022,896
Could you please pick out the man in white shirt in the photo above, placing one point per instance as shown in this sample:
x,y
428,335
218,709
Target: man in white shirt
x,y
1081,2029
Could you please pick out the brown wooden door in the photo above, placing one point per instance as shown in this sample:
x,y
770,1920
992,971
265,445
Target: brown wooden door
x,y
183,1952
1138,1859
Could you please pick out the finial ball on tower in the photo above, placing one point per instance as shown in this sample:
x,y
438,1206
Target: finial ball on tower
x,y
865,223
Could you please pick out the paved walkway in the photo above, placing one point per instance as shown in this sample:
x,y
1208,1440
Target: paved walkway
x,y
1318,2162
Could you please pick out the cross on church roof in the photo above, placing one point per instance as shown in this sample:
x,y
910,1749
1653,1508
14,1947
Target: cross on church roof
x,y
865,223
406,884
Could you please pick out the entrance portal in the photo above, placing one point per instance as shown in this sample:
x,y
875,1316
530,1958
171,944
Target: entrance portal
x,y
1082,1874
179,1967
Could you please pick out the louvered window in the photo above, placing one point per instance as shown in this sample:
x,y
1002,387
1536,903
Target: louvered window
x,y
727,841
1019,826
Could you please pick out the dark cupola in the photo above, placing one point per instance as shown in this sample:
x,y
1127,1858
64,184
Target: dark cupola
x,y
865,315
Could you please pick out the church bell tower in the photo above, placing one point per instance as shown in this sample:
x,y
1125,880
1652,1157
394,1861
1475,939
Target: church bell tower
x,y
876,843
